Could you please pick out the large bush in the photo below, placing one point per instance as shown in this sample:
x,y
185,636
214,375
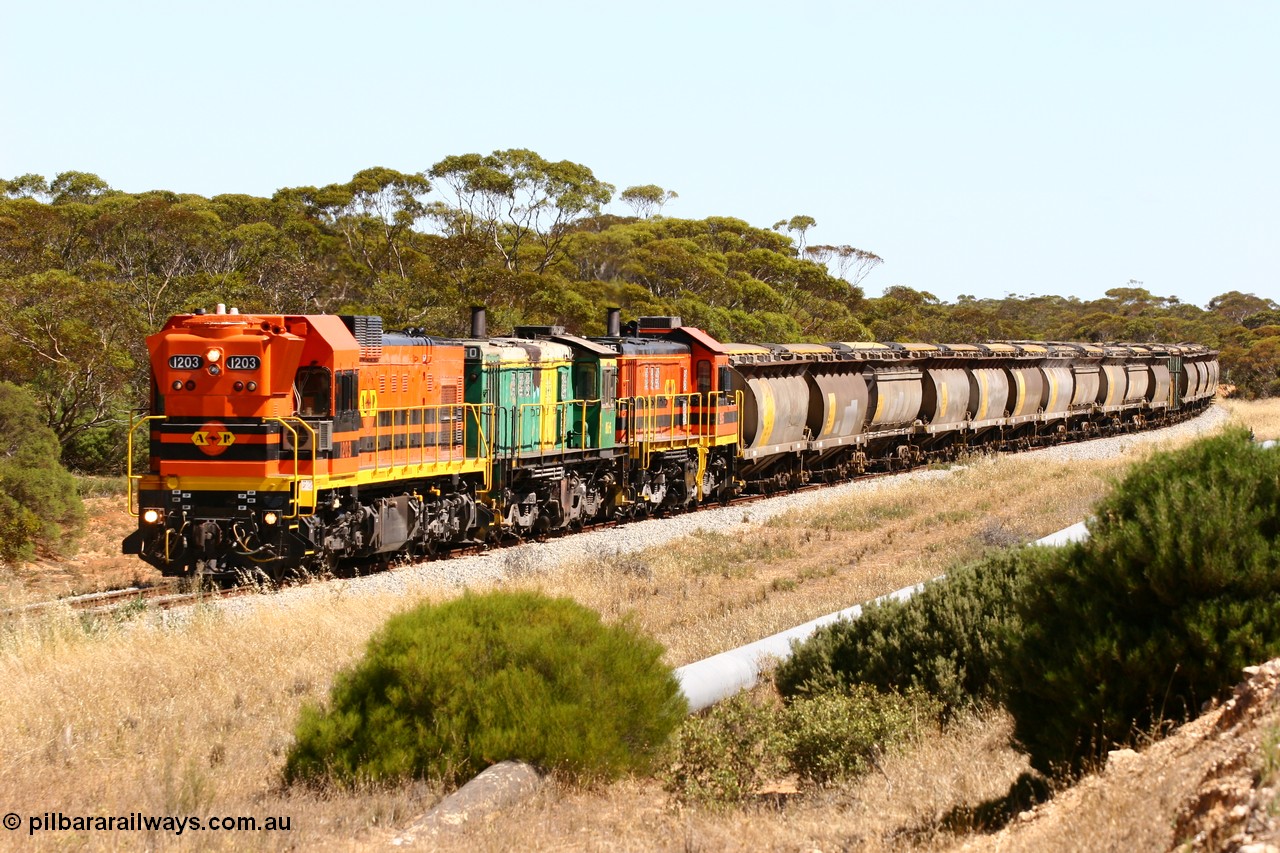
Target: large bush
x,y
446,690
1177,589
39,507
945,640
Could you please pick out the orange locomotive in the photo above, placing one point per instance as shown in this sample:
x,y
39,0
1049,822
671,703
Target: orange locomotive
x,y
279,442
677,414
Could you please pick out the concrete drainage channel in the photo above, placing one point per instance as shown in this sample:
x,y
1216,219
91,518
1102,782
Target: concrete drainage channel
x,y
708,681
703,683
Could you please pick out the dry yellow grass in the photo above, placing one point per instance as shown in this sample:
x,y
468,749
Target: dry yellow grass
x,y
194,716
898,806
190,719
1262,416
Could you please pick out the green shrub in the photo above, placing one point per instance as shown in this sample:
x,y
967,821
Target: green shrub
x,y
721,756
93,486
1177,589
839,735
19,529
944,640
446,690
39,506
102,450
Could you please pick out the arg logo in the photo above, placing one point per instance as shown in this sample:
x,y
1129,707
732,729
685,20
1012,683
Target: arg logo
x,y
213,438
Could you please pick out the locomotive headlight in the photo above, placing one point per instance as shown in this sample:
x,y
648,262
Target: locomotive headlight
x,y
269,518
213,356
152,516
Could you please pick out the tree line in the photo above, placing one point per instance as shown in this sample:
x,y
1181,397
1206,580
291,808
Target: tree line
x,y
87,271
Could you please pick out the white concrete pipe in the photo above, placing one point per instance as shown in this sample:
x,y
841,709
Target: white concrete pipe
x,y
707,681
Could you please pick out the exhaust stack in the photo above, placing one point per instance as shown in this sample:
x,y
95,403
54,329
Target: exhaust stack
x,y
478,326
613,323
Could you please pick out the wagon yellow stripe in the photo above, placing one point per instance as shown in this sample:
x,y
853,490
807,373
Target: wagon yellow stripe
x,y
767,412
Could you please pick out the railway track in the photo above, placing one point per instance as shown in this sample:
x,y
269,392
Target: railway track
x,y
164,596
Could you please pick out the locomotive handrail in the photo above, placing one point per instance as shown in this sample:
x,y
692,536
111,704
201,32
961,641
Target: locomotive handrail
x,y
297,471
642,416
484,441
563,409
585,404
453,441
130,477
642,420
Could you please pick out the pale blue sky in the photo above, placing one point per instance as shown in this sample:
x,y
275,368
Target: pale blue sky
x,y
982,148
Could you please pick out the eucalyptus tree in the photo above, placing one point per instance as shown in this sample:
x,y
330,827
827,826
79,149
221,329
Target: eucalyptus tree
x,y
798,225
375,212
74,344
522,205
29,185
69,187
647,200
1237,306
852,264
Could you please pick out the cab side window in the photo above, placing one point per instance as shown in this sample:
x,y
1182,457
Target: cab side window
x,y
586,381
312,392
704,376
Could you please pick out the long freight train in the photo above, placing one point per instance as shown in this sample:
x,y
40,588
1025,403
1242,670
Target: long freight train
x,y
287,443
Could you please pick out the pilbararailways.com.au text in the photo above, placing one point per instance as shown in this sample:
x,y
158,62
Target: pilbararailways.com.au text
x,y
139,822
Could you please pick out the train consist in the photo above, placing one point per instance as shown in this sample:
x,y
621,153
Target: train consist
x,y
298,443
